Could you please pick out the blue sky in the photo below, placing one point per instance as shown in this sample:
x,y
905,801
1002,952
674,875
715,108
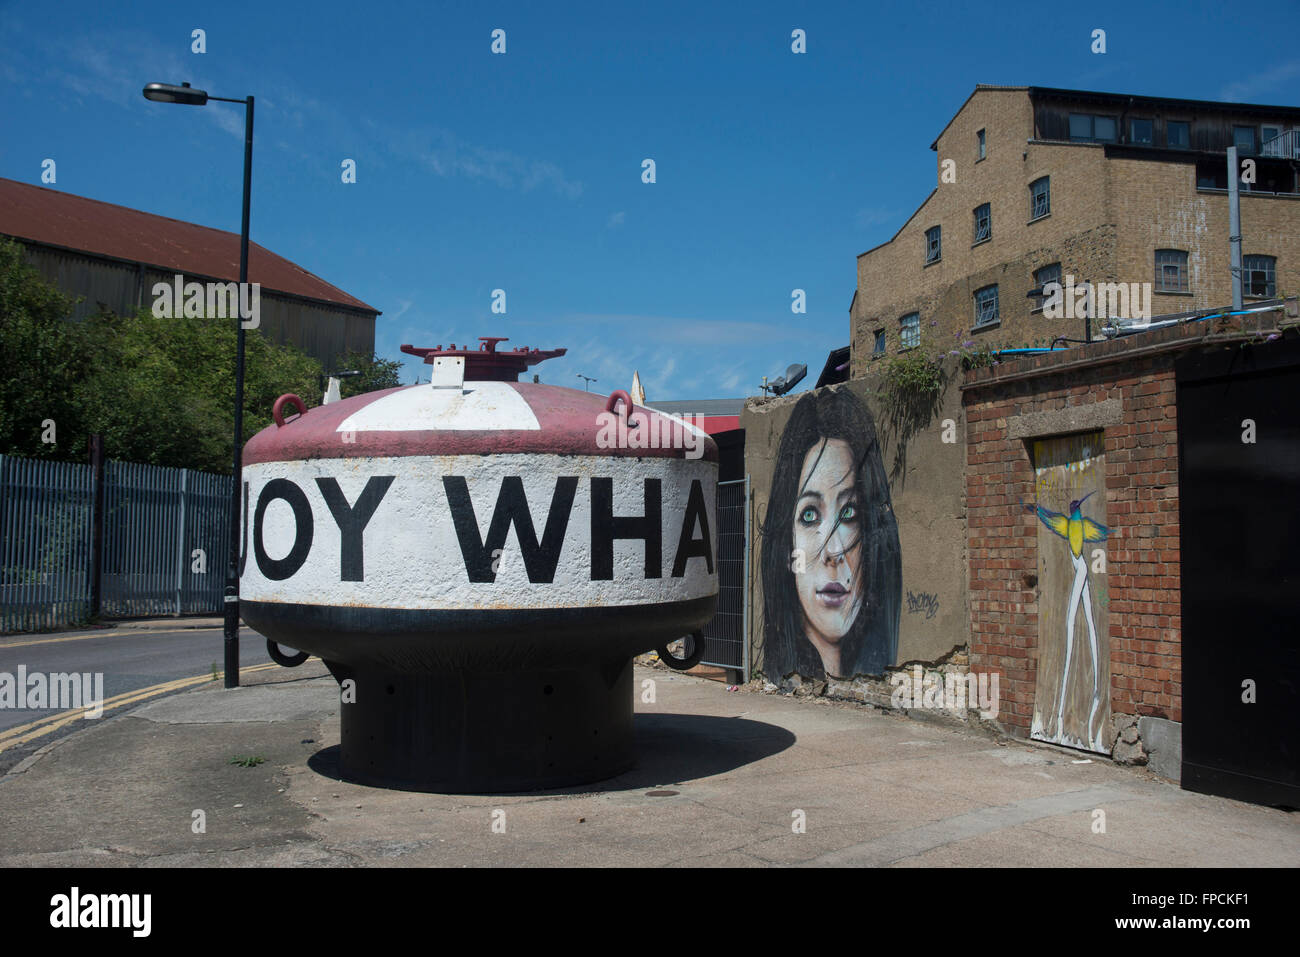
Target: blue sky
x,y
523,171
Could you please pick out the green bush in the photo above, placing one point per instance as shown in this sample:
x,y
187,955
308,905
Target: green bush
x,y
160,391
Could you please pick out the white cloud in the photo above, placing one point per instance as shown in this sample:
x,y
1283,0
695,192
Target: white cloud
x,y
874,216
447,155
115,65
668,331
1266,82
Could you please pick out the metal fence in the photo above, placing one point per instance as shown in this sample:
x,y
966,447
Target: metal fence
x,y
165,541
726,637
162,550
47,510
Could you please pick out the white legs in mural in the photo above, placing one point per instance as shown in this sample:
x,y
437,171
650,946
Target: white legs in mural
x,y
1080,594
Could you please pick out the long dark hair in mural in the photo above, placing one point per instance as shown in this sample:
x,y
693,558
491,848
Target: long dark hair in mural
x,y
831,564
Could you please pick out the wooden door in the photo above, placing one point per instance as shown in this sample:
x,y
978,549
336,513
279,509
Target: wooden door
x,y
1072,695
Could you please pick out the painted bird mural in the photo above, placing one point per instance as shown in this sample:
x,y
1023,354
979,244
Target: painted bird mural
x,y
1077,530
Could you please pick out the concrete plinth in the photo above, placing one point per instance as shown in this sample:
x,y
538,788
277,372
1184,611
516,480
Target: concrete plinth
x,y
487,732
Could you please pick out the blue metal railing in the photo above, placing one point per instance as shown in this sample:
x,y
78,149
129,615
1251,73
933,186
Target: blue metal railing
x,y
163,548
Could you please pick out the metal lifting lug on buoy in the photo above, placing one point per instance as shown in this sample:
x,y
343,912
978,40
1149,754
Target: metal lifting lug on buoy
x,y
691,660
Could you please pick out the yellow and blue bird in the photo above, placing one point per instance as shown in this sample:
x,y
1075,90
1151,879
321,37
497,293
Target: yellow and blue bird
x,y
1074,527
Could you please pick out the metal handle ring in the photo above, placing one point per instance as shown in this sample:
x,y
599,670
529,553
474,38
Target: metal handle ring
x,y
611,404
277,410
691,660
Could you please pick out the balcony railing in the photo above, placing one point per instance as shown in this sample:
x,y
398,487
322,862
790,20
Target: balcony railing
x,y
1285,145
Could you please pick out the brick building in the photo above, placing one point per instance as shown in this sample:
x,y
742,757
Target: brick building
x,y
1193,582
1036,185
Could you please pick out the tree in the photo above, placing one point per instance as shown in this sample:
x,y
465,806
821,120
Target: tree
x,y
160,391
42,362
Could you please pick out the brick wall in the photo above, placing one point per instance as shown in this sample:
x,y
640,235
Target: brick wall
x,y
1157,205
1142,550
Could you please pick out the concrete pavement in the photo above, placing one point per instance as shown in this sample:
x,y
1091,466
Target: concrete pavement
x,y
723,778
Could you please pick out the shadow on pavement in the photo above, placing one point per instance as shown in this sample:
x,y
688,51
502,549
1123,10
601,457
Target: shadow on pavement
x,y
670,748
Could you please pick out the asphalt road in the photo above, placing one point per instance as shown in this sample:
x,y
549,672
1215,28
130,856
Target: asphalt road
x,y
129,661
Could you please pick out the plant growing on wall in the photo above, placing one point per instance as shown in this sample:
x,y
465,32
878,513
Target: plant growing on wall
x,y
911,389
913,383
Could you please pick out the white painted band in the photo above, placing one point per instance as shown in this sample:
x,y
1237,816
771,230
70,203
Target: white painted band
x,y
481,405
411,553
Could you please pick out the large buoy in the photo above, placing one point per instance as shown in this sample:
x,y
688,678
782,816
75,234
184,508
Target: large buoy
x,y
477,560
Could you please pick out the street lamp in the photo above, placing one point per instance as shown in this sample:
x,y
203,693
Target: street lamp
x,y
187,96
587,383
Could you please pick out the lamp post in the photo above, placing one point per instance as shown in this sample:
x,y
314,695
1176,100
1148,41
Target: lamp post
x,y
587,383
187,96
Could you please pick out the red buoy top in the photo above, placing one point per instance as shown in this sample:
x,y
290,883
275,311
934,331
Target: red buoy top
x,y
485,364
477,407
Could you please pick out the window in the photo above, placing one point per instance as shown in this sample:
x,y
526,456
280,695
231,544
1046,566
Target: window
x,y
1086,128
1211,174
879,349
1040,198
986,306
1177,134
1243,137
1259,276
1171,271
933,247
1267,133
909,330
979,138
1141,132
1042,277
983,223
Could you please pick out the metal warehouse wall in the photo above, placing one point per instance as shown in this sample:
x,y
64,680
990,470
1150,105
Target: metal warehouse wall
x,y
318,329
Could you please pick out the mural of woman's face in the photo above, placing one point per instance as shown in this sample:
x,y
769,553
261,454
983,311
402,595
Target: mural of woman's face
x,y
828,533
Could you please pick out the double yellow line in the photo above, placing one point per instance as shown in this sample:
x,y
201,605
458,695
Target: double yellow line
x,y
52,722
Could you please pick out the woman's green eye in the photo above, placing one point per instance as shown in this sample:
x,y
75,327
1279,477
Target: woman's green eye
x,y
808,516
848,513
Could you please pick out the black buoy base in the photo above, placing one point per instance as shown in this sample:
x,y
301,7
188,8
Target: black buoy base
x,y
486,732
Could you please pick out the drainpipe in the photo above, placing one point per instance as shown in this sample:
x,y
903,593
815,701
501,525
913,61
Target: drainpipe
x,y
1234,225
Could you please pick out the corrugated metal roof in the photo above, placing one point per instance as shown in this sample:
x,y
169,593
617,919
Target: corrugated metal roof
x,y
831,372
699,406
42,215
